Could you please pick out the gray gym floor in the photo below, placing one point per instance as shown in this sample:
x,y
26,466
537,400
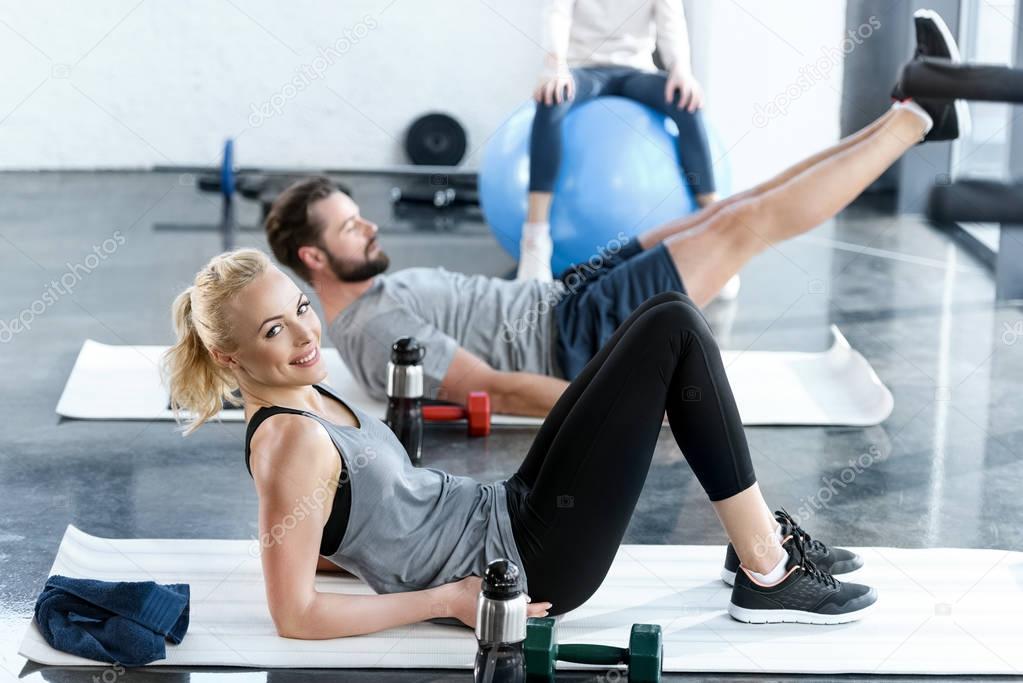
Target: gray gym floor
x,y
945,469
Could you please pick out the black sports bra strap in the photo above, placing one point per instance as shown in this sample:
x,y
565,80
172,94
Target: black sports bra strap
x,y
257,419
269,411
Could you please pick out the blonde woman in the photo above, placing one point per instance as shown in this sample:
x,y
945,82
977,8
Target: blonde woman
x,y
420,537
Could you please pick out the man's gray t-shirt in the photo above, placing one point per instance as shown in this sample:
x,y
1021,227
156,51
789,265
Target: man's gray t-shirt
x,y
509,324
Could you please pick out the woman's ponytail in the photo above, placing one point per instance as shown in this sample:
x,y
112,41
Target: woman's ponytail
x,y
198,385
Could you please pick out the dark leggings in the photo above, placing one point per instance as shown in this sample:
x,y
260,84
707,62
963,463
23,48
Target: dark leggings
x,y
572,498
641,86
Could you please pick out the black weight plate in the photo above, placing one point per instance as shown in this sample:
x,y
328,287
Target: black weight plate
x,y
435,140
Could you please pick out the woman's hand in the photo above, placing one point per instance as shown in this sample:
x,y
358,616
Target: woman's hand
x,y
556,86
689,89
459,600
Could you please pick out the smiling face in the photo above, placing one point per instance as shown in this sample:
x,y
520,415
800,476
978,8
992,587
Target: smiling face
x,y
348,240
276,333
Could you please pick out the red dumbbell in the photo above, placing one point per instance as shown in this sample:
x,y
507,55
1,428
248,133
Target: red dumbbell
x,y
476,413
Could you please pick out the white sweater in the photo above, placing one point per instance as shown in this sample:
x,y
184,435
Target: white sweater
x,y
612,32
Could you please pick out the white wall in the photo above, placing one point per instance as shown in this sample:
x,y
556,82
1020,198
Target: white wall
x,y
773,75
132,84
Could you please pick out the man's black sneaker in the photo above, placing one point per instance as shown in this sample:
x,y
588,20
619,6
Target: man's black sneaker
x,y
831,560
951,119
933,39
806,595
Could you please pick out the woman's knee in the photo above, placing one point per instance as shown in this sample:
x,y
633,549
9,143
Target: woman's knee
x,y
550,114
683,118
662,298
674,312
671,300
655,300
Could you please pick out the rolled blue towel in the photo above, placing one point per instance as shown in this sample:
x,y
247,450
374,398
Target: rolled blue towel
x,y
124,622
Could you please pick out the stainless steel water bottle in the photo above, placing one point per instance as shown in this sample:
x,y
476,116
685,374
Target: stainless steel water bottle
x,y
500,626
405,395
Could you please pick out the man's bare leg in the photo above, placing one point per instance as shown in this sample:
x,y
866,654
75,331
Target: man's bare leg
x,y
708,257
675,227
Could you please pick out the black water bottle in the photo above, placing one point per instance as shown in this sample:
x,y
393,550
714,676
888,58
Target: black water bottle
x,y
405,395
500,626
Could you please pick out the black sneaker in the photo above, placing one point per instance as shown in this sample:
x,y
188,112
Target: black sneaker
x,y
933,39
831,560
807,595
951,119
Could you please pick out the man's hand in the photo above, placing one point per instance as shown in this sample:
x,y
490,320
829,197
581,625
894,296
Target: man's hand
x,y
460,598
690,92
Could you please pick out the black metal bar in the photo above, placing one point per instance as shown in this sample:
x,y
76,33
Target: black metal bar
x,y
976,201
941,79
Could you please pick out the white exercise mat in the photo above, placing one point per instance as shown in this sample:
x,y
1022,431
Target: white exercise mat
x,y
110,382
941,611
833,387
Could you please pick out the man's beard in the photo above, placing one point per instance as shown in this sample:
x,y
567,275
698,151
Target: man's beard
x,y
359,271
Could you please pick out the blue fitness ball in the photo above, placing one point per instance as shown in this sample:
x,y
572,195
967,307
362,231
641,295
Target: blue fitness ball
x,y
619,174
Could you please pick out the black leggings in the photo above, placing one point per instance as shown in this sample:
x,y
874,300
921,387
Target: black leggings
x,y
572,498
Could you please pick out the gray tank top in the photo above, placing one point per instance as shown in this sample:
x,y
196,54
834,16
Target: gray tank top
x,y
411,528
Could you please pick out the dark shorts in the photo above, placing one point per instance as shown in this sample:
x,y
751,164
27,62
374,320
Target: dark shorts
x,y
599,299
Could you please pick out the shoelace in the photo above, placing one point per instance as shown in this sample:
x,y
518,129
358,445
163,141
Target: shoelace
x,y
813,571
789,526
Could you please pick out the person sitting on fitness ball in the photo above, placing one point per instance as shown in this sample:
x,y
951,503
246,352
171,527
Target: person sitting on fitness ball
x,y
603,47
522,341
421,538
